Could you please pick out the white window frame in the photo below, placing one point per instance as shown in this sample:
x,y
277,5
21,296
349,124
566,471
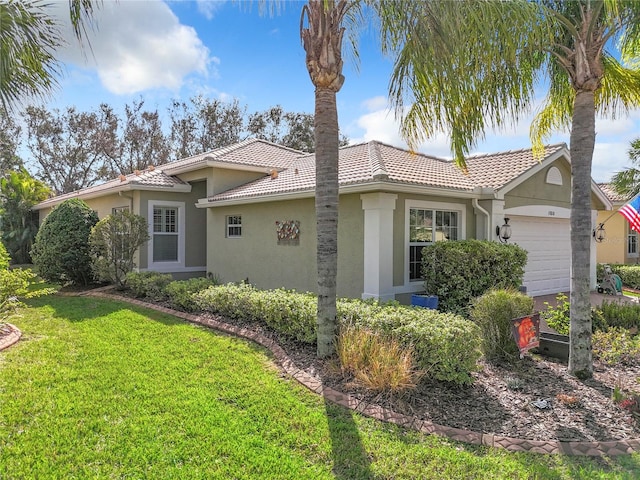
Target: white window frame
x,y
459,208
229,226
634,235
181,224
120,209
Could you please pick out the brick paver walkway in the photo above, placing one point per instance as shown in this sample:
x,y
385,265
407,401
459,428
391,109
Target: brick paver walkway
x,y
610,448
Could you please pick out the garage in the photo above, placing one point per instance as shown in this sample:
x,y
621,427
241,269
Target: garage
x,y
548,243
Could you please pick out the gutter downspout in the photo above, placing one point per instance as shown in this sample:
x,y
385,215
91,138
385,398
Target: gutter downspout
x,y
120,194
475,204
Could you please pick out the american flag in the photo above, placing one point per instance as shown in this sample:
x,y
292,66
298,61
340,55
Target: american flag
x,y
631,211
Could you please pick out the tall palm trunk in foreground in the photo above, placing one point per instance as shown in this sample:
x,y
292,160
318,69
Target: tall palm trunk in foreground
x,y
322,41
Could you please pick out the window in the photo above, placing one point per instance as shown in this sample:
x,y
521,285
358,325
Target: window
x,y
632,244
165,234
427,225
234,226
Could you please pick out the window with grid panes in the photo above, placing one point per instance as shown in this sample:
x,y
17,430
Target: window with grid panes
x,y
425,227
165,234
234,226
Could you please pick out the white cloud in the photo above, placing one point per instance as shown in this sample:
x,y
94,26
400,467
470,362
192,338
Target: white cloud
x,y
208,8
137,46
609,158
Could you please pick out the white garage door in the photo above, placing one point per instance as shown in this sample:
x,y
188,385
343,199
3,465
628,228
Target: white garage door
x,y
548,243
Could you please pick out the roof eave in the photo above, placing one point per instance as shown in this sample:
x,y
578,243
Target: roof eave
x,y
128,187
344,190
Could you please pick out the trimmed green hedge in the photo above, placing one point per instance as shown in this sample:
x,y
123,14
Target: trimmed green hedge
x,y
148,284
180,292
459,271
629,274
446,346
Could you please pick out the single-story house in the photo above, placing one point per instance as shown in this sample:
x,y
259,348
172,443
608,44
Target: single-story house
x,y
247,211
620,243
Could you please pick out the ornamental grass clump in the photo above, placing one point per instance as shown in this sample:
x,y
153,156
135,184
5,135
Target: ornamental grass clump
x,y
376,363
493,313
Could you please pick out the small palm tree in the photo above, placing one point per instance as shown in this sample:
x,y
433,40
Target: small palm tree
x,y
19,191
627,181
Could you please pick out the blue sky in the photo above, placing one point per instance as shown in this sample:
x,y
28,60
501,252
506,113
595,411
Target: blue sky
x,y
159,51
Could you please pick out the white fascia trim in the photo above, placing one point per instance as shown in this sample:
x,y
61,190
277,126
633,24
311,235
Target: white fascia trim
x,y
167,266
549,211
218,164
129,187
608,204
369,187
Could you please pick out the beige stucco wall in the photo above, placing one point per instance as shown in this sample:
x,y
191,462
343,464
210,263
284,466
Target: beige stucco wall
x,y
258,257
614,247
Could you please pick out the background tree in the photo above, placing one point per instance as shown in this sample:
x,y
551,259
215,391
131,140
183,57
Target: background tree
x,y
61,250
69,147
114,241
627,181
19,191
204,124
293,130
136,142
29,38
466,66
10,138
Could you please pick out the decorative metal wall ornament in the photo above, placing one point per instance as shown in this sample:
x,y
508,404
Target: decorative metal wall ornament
x,y
288,232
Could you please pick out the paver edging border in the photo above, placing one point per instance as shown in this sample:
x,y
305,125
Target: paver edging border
x,y
8,340
592,449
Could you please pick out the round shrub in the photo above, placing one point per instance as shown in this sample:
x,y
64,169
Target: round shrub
x,y
61,249
459,271
493,313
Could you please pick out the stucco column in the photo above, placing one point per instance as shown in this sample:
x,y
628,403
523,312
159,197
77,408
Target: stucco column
x,y
378,245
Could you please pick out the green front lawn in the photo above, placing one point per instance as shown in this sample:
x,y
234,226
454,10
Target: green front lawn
x,y
100,389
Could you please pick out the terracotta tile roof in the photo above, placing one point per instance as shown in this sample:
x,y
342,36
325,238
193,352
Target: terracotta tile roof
x,y
376,161
497,169
251,152
612,195
148,178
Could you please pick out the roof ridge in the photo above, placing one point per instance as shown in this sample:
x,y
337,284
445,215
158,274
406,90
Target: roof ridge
x,y
519,150
376,163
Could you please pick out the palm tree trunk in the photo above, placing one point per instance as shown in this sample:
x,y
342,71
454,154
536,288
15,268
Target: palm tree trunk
x,y
326,135
581,149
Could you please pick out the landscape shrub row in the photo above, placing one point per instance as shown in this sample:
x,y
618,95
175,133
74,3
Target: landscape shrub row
x,y
445,345
161,287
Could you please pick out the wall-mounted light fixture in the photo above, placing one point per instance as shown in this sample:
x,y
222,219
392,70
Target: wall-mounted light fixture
x,y
504,232
599,234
